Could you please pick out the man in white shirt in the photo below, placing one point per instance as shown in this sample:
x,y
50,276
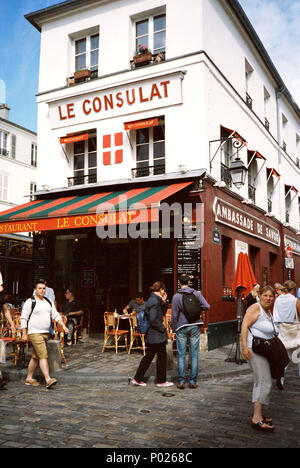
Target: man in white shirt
x,y
35,323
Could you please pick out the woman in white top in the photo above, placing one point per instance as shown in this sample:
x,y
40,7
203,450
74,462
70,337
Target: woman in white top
x,y
258,318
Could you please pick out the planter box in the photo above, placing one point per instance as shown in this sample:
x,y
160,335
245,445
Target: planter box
x,y
82,74
142,59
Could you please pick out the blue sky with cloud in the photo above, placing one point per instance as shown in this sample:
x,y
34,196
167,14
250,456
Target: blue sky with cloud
x,y
275,21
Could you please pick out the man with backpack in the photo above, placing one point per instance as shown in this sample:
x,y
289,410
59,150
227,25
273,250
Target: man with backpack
x,y
187,306
36,320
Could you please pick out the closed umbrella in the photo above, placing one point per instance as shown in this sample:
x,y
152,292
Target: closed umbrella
x,y
243,283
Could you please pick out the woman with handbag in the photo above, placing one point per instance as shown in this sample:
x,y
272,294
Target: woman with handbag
x,y
258,323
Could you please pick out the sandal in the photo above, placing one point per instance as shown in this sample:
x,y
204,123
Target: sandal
x,y
51,383
260,426
267,420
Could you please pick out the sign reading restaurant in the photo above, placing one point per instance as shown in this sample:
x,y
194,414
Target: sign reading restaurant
x,y
121,100
228,214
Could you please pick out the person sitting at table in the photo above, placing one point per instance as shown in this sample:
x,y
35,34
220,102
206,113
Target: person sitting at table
x,y
136,305
6,311
73,310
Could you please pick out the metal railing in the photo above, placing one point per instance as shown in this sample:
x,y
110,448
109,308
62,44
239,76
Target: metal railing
x,y
4,152
269,205
226,176
251,192
82,180
267,124
249,101
148,171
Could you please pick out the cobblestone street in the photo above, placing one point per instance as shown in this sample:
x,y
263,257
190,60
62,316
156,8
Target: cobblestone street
x,y
216,414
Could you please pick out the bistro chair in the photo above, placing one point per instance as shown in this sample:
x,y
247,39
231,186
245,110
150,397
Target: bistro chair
x,y
59,333
78,328
167,324
135,335
112,331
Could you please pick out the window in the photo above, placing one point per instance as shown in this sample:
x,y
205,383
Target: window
x,y
32,190
151,32
227,258
267,108
85,161
252,174
87,54
248,78
13,146
150,151
3,186
284,131
226,155
3,143
33,154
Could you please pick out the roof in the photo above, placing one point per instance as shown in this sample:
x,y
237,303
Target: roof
x,y
18,126
36,17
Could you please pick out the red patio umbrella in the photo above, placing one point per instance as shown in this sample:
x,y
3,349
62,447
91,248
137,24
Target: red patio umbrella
x,y
244,277
243,283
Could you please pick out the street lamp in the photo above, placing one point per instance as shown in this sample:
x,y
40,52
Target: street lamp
x,y
238,172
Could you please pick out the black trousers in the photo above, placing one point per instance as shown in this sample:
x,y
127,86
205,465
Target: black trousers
x,y
161,362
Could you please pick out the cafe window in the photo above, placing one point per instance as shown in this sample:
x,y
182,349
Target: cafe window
x,y
150,151
227,261
85,161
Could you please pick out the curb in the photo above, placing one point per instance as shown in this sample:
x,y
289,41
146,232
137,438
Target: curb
x,y
14,375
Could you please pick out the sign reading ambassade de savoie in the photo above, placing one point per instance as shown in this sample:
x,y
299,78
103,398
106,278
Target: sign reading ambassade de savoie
x,y
228,214
121,100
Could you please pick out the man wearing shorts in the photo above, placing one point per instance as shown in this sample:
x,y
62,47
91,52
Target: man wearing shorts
x,y
35,329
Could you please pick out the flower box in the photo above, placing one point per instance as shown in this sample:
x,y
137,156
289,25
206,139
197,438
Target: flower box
x,y
82,74
142,59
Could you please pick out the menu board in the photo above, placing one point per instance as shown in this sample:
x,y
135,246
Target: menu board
x,y
189,261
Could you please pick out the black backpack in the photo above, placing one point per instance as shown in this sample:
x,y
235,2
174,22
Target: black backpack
x,y
191,307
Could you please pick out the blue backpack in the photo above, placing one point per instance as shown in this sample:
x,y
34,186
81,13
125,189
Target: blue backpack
x,y
142,322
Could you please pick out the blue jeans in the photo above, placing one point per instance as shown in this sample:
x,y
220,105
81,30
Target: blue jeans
x,y
184,334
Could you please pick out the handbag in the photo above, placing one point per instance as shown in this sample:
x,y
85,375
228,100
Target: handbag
x,y
261,346
275,352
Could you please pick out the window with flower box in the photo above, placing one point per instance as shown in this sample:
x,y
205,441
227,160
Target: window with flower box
x,y
150,32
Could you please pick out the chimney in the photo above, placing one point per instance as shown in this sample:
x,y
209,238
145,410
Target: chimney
x,y
4,111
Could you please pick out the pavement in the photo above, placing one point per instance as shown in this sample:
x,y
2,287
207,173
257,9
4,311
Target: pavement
x,y
92,406
86,364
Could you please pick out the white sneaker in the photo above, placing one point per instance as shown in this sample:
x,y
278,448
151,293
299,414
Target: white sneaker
x,y
141,384
164,384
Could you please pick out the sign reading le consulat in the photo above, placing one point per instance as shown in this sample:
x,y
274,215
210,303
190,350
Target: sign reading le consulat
x,y
228,214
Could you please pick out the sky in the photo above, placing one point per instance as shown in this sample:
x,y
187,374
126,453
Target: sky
x,y
275,21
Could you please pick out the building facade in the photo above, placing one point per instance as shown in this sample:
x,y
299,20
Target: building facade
x,y
18,161
113,121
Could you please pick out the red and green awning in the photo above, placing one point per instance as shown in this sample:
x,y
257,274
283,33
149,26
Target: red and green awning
x,y
104,208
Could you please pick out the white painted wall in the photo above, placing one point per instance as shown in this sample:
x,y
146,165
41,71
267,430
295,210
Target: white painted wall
x,y
213,92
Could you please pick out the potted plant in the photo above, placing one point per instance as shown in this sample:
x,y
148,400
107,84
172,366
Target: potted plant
x,y
143,55
82,74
